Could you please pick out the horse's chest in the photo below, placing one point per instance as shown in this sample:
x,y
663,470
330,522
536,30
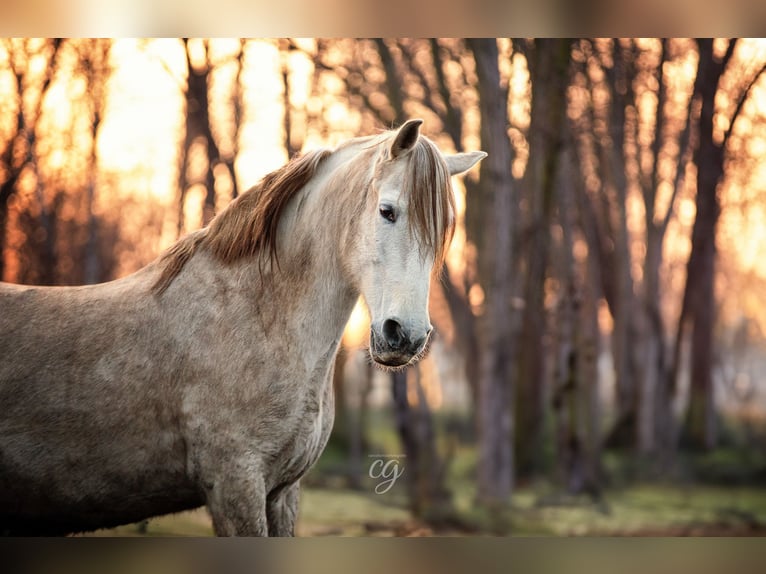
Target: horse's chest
x,y
306,444
306,436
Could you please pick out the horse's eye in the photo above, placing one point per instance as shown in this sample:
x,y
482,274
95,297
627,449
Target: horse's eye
x,y
387,213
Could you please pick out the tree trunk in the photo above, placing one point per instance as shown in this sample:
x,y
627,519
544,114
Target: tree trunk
x,y
96,66
496,267
700,423
198,131
589,341
292,150
549,76
4,197
575,396
654,332
424,469
465,332
340,428
20,151
357,430
655,359
619,290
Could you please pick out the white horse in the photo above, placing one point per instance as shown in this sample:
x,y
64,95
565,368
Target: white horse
x,y
205,377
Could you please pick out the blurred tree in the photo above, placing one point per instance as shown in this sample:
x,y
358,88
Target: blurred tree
x,y
199,129
286,48
429,498
496,381
699,308
548,62
94,61
636,136
19,152
612,155
576,400
632,134
56,239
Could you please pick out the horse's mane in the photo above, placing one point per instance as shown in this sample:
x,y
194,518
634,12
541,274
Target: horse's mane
x,y
248,225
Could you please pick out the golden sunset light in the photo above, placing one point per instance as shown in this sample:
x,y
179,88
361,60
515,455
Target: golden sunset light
x,y
272,300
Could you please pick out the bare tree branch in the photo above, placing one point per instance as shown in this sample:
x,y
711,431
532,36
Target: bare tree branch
x,y
393,80
650,191
453,117
179,82
428,98
685,152
729,52
379,114
741,101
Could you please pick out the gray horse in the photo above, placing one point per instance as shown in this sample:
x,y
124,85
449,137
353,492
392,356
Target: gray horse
x,y
205,377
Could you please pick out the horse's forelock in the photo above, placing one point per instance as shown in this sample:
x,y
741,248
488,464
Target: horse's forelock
x,y
431,203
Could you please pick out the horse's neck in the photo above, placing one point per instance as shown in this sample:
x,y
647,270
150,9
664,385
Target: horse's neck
x,y
300,313
307,288
312,275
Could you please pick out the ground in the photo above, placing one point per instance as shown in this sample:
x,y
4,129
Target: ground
x,y
648,510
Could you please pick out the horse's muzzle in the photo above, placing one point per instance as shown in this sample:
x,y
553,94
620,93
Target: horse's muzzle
x,y
391,345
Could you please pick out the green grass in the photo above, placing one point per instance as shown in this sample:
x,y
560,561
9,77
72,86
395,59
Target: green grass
x,y
647,510
632,508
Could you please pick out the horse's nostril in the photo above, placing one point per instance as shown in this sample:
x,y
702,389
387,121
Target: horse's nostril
x,y
394,334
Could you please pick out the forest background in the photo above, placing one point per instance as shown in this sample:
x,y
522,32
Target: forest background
x,y
599,352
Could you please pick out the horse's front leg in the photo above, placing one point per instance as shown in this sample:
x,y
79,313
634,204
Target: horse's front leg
x,y
236,500
282,510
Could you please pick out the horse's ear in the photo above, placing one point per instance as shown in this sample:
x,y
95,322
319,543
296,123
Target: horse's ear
x,y
461,162
406,138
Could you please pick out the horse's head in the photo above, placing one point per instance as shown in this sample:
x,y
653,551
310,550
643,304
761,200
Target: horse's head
x,y
406,231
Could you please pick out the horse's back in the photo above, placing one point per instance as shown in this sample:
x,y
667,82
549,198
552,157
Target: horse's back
x,y
52,338
86,438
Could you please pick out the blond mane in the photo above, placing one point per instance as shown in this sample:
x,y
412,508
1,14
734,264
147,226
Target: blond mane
x,y
248,225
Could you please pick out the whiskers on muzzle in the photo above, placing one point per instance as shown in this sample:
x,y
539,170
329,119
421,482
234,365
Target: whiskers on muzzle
x,y
391,367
